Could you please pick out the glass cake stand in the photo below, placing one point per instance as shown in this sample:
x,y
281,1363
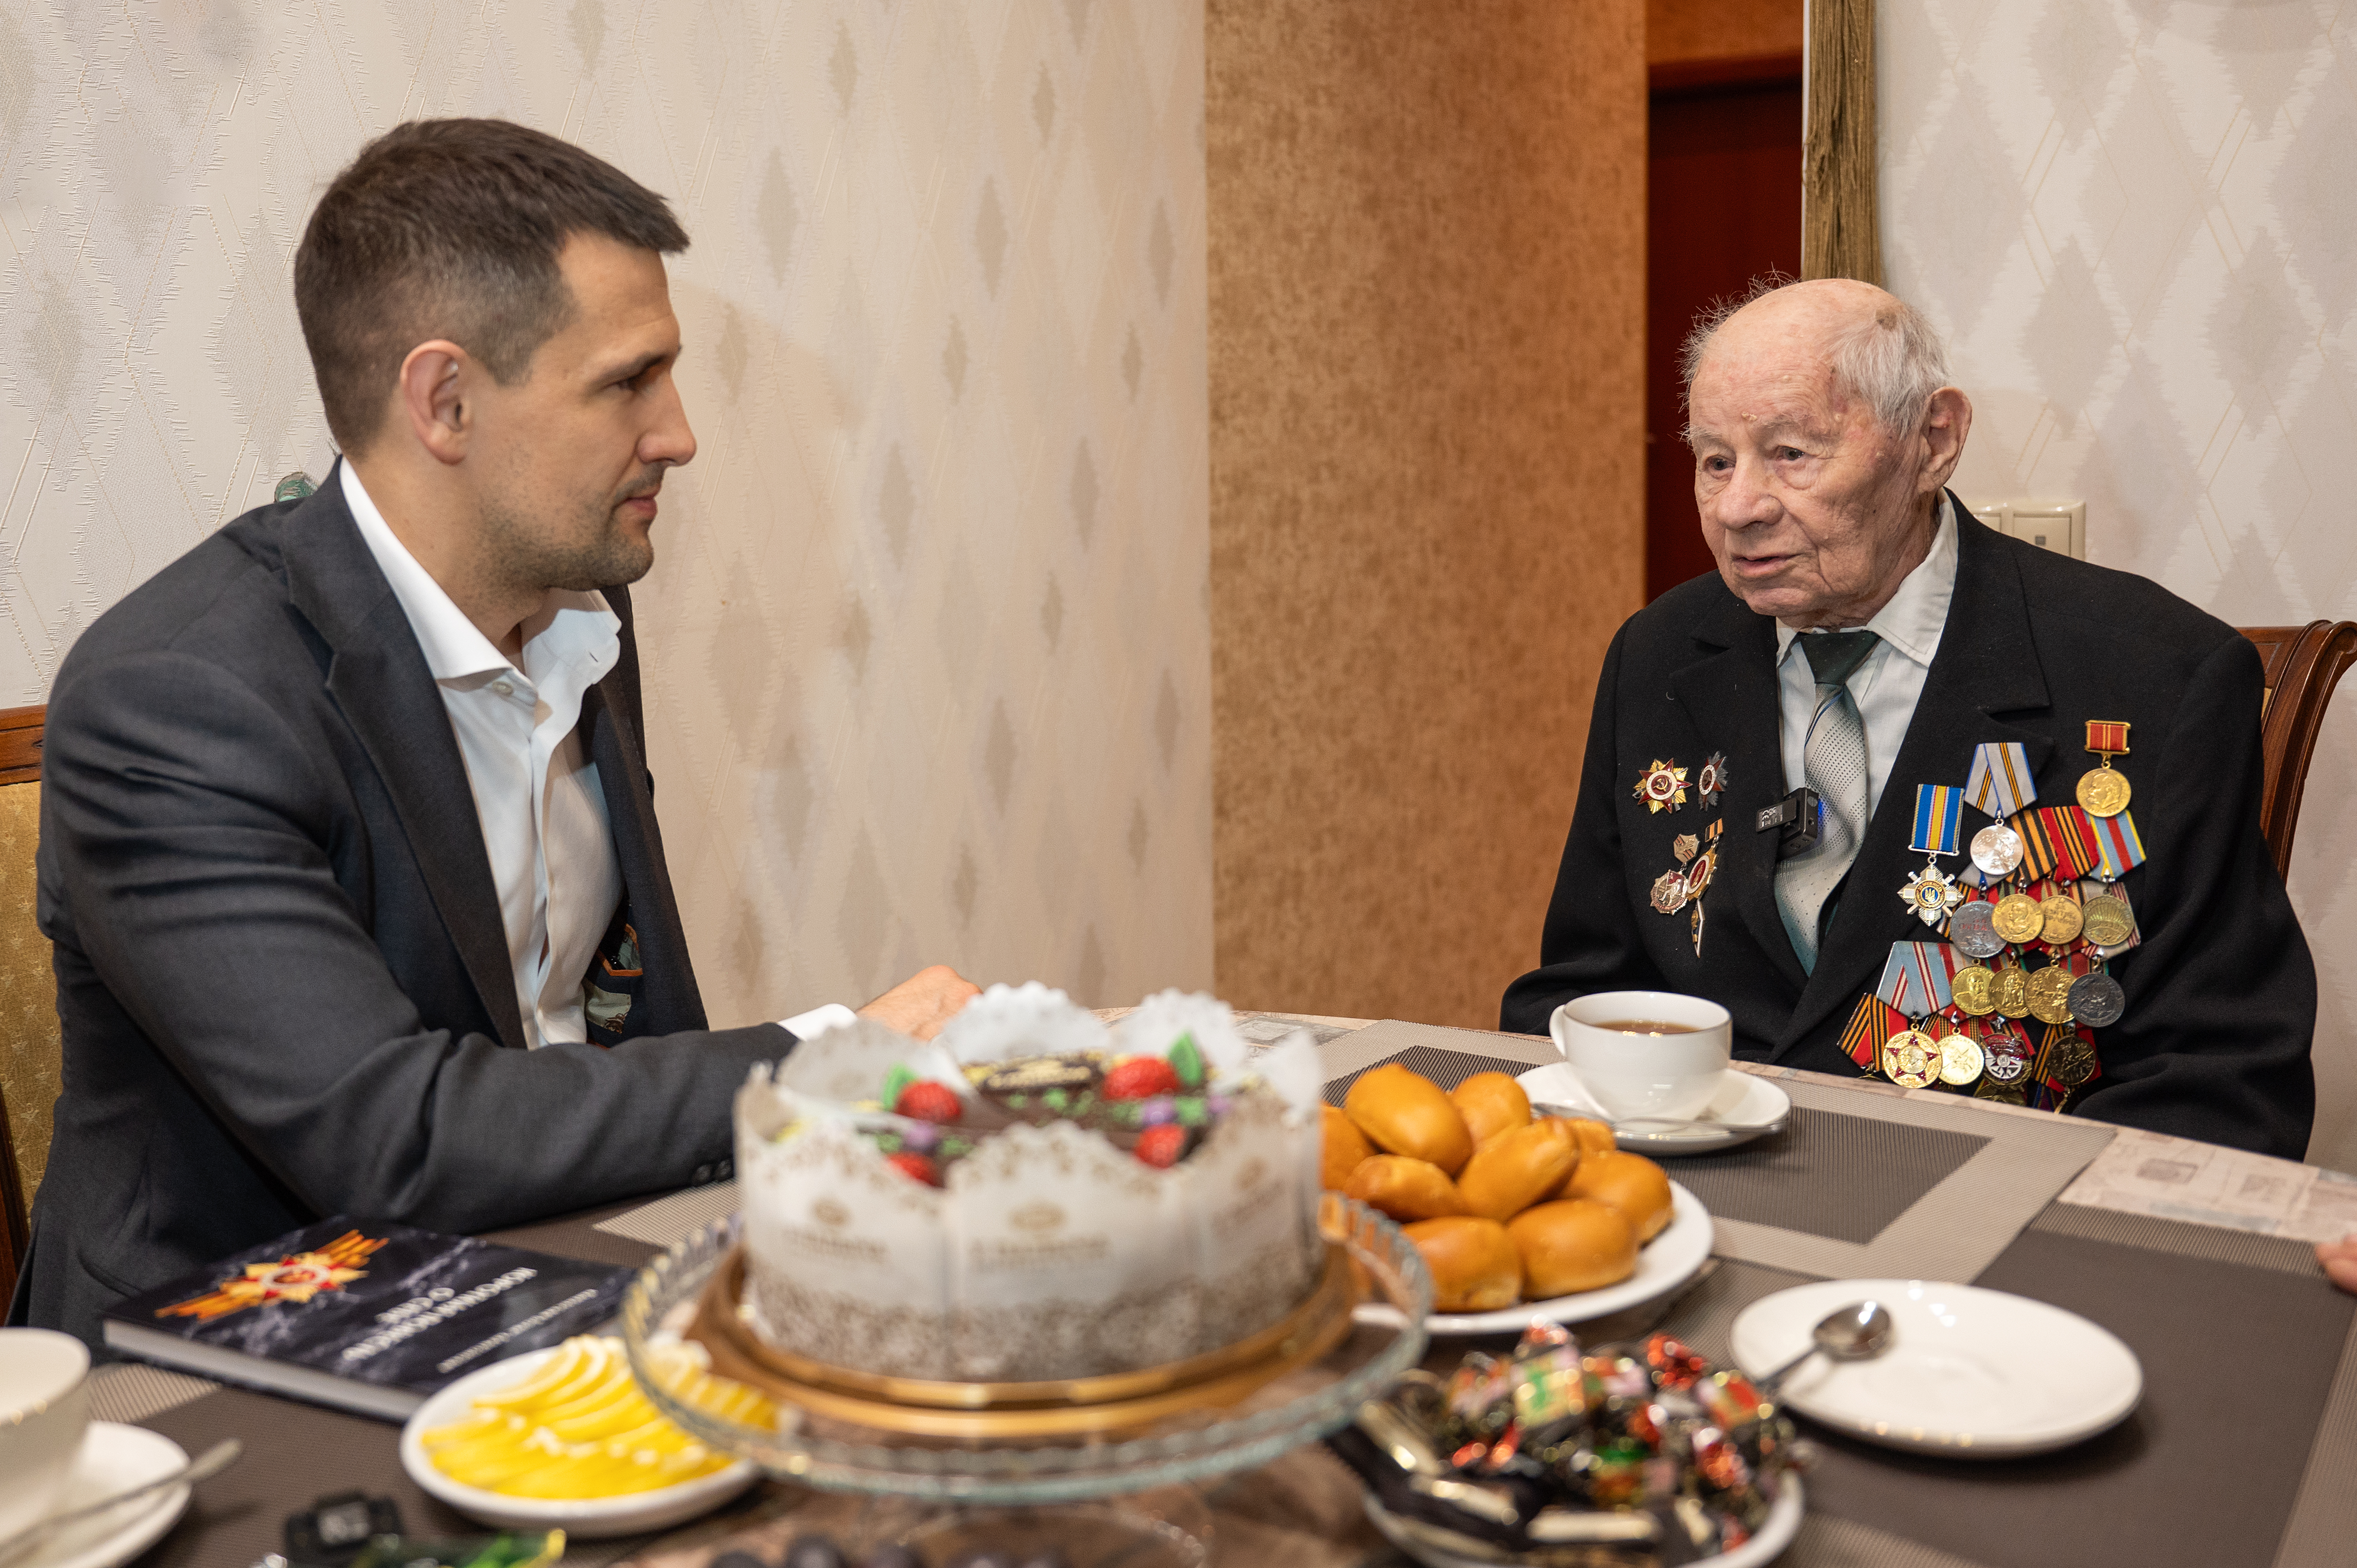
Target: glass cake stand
x,y
1141,1478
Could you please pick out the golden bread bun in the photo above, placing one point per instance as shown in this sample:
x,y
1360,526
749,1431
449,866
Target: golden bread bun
x,y
1517,1168
1629,1183
1474,1264
1404,1188
1345,1146
1490,1103
1404,1112
1593,1138
1572,1245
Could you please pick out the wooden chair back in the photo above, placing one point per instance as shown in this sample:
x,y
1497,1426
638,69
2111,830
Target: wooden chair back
x,y
30,1064
2304,664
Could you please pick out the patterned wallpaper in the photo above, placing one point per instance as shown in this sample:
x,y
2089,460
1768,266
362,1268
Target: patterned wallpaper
x,y
2137,221
927,643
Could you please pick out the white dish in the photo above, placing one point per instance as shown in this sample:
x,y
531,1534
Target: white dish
x,y
1776,1533
114,1459
1743,1107
586,1519
1970,1372
1665,1263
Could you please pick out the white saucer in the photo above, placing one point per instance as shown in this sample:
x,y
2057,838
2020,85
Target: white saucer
x,y
114,1459
1664,1263
1776,1533
1969,1373
588,1518
1744,1106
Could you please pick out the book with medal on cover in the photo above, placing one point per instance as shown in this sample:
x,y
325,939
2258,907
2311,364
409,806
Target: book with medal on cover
x,y
369,1318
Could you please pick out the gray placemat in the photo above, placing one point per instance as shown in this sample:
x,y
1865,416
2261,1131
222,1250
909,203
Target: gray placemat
x,y
2208,1468
1830,1174
667,1221
1916,1188
128,1392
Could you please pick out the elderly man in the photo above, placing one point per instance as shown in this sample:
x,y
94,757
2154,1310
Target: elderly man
x,y
1910,797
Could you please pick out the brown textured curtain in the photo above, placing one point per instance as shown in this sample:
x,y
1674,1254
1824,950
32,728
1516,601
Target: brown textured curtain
x,y
1840,229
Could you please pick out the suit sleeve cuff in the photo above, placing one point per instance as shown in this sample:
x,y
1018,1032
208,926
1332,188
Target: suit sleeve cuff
x,y
818,1020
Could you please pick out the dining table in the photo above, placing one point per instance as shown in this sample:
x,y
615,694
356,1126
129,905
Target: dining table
x,y
2242,1450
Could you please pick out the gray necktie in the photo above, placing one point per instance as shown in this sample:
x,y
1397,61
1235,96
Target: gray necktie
x,y
1833,762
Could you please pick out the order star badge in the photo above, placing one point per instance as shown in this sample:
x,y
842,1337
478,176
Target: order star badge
x,y
1711,782
294,1278
1664,785
1932,894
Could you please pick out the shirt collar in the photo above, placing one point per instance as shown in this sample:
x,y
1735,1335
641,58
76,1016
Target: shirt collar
x,y
567,625
1911,622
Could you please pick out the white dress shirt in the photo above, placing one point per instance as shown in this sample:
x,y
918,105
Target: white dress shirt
x,y
537,797
1888,684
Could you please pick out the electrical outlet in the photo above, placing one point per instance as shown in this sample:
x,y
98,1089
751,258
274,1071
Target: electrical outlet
x,y
2059,526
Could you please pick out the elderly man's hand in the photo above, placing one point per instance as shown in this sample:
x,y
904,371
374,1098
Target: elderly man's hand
x,y
921,1003
2340,1260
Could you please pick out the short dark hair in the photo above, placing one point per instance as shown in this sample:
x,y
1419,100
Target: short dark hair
x,y
451,229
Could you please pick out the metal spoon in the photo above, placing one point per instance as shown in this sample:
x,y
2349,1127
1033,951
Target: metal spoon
x,y
1858,1332
206,1466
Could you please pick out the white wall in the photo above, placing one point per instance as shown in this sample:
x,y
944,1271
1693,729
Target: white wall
x,y
2136,222
926,645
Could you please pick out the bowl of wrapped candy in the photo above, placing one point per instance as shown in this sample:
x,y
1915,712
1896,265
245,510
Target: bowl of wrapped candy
x,y
1641,1456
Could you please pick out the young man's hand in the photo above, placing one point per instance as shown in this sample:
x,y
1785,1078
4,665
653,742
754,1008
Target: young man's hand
x,y
921,1003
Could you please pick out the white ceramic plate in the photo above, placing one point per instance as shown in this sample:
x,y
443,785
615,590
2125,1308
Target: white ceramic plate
x,y
114,1459
1666,1261
1776,1533
1744,1106
1969,1373
589,1519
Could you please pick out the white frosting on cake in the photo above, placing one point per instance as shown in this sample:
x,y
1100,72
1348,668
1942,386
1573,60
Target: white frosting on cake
x,y
1048,1253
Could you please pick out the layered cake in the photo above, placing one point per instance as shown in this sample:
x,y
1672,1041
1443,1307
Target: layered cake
x,y
1033,1195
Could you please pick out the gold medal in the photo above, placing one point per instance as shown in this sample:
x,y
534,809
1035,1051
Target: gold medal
x,y
2106,920
2018,918
1663,786
2105,791
1961,1059
2049,994
2060,919
1973,989
2011,991
1910,1059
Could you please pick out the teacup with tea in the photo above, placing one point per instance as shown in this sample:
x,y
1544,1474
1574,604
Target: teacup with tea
x,y
1645,1053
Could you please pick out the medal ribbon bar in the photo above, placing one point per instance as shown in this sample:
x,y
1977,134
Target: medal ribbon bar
x,y
2054,836
1871,1028
1999,783
2118,846
1939,818
1917,976
2108,737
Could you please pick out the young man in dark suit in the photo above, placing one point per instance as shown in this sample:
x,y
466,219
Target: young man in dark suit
x,y
1864,638
349,850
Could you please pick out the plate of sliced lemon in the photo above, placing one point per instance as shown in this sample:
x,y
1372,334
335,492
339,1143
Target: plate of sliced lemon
x,y
565,1439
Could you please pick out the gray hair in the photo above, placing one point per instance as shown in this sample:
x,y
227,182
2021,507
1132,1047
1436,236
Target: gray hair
x,y
1892,361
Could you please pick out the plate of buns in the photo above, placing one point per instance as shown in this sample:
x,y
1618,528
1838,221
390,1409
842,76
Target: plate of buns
x,y
1518,1215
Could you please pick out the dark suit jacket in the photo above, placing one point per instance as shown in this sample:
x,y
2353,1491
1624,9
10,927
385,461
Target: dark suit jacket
x,y
282,975
2220,994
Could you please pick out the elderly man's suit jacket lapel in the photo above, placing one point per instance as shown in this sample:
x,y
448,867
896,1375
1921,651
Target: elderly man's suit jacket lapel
x,y
1987,669
379,678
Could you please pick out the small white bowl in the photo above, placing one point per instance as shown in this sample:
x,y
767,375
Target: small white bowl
x,y
588,1518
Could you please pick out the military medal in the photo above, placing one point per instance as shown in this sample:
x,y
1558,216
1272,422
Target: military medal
x,y
2071,1062
1962,1060
2119,849
2106,921
1664,785
1871,1023
2103,791
2006,1068
1711,783
2059,918
2009,990
2097,999
1932,893
1972,928
1698,875
1974,990
2049,991
1996,850
2018,918
1670,892
1915,983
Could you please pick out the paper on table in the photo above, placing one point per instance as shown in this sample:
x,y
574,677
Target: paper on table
x,y
2173,1178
